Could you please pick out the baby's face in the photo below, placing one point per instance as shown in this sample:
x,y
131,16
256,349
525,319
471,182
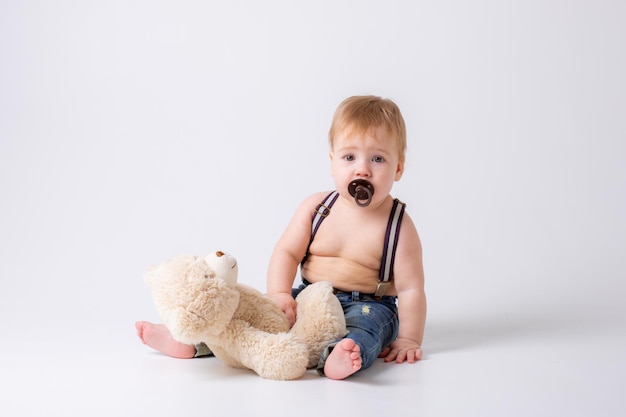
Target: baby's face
x,y
371,155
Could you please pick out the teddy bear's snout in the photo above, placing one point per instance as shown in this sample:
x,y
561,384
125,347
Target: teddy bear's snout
x,y
219,254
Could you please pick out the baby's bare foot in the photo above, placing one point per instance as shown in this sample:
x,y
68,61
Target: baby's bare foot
x,y
158,337
344,360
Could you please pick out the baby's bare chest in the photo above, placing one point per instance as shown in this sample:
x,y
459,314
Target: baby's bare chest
x,y
361,242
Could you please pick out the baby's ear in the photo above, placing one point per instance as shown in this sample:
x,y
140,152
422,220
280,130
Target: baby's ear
x,y
399,170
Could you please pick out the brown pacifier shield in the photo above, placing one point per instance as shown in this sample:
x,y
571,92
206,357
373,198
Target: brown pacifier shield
x,y
362,191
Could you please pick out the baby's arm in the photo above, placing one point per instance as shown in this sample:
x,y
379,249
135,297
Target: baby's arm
x,y
287,255
409,283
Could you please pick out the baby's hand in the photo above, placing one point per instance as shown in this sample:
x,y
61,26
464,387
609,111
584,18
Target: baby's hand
x,y
287,304
402,350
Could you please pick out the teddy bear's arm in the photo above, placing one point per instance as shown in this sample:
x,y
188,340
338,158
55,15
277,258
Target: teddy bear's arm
x,y
260,311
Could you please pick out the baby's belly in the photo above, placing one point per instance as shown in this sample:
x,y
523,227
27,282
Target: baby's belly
x,y
345,275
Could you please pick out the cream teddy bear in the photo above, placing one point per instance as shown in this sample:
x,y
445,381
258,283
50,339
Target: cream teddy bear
x,y
200,301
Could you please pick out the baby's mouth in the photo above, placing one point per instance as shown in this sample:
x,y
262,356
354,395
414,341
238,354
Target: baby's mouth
x,y
362,191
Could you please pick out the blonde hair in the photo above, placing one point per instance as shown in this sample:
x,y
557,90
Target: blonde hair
x,y
360,113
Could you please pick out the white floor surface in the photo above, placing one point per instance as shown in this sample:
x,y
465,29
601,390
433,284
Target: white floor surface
x,y
546,365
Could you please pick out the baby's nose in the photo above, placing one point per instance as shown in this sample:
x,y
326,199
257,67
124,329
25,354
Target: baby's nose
x,y
362,170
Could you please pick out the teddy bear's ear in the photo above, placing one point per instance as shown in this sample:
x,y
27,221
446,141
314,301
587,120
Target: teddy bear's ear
x,y
147,277
206,313
216,304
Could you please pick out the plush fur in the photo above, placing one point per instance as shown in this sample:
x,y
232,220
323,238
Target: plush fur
x,y
199,300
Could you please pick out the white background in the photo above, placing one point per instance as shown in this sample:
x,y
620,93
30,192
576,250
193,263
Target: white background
x,y
131,131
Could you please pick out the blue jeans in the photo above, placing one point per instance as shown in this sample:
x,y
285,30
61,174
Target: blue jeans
x,y
372,324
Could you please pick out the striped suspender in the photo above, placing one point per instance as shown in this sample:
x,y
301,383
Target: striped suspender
x,y
391,237
322,210
389,248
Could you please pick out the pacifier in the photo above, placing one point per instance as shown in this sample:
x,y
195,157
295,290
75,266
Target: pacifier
x,y
362,191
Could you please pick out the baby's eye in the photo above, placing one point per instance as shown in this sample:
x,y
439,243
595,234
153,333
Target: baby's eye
x,y
378,159
349,157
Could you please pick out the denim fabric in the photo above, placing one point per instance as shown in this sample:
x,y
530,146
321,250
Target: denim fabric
x,y
202,350
372,324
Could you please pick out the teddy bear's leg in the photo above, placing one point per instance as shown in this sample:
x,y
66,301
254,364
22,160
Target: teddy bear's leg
x,y
320,320
278,356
